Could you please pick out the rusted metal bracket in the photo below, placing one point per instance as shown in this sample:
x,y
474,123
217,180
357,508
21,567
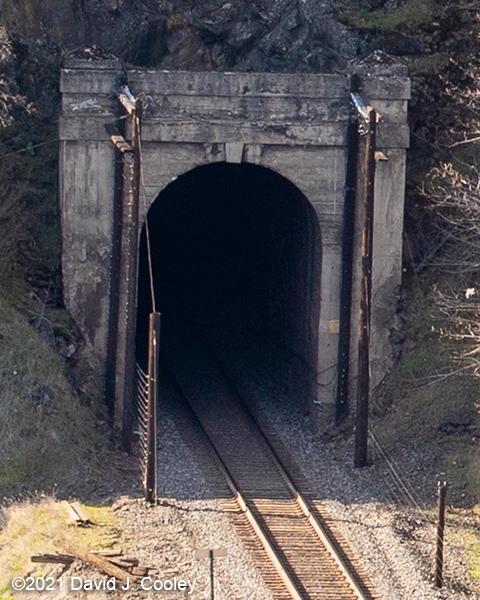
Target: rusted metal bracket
x,y
365,309
117,138
358,128
127,248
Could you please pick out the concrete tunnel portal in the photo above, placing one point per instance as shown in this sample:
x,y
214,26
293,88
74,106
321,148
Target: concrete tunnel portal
x,y
235,259
247,276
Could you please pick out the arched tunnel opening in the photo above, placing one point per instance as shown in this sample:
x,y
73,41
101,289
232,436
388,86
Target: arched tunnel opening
x,y
235,262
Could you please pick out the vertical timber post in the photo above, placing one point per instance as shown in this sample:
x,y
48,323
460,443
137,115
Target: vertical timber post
x,y
153,357
130,255
363,389
442,495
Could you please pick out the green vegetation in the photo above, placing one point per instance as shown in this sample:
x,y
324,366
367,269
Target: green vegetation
x,y
432,65
427,409
411,13
475,560
432,394
45,431
31,528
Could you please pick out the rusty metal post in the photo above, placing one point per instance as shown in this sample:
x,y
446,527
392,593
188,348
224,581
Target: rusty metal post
x,y
342,399
130,256
211,554
363,390
212,581
151,457
442,496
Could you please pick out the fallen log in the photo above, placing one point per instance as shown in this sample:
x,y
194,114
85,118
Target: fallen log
x,y
94,559
108,553
126,563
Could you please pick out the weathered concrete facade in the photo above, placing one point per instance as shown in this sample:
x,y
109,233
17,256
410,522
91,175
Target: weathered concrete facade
x,y
294,124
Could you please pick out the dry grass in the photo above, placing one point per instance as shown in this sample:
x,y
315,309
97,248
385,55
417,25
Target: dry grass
x,y
474,556
30,528
429,398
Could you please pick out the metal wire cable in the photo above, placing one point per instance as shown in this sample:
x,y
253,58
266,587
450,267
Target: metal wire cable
x,y
147,229
400,484
28,148
400,481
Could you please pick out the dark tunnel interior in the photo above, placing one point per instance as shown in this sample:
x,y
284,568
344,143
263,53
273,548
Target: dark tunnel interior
x,y
235,258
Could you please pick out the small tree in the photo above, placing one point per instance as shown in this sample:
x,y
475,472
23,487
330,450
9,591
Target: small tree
x,y
453,194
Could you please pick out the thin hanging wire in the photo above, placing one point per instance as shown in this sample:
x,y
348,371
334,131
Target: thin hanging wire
x,y
147,229
400,481
400,487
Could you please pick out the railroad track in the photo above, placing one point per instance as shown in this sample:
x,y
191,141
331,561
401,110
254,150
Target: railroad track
x,y
283,531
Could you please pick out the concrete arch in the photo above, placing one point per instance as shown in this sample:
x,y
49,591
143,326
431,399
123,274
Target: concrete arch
x,y
238,246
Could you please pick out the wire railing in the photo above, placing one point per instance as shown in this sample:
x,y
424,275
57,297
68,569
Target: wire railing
x,y
146,400
141,406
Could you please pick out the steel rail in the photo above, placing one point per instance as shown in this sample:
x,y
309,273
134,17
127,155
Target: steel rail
x,y
303,505
318,531
297,498
292,589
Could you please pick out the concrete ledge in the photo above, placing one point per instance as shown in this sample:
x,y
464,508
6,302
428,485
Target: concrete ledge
x,y
391,111
90,104
389,135
93,128
189,83
386,88
393,135
95,80
266,109
329,134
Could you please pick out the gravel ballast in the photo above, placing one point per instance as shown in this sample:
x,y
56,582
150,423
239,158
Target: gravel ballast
x,y
188,516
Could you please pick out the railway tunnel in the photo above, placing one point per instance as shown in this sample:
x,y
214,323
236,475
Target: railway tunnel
x,y
235,259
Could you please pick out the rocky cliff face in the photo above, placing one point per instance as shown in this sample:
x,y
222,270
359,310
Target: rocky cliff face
x,y
258,35
219,35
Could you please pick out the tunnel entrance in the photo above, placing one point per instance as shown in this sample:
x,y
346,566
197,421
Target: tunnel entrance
x,y
236,258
